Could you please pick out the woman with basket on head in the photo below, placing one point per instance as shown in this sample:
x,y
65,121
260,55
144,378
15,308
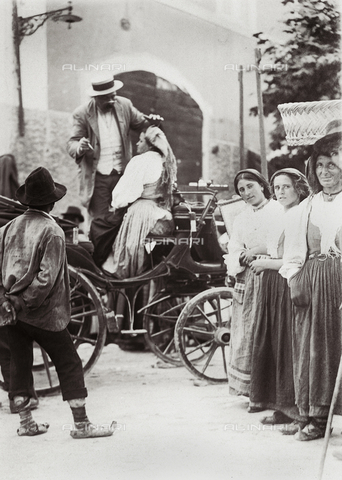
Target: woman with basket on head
x,y
312,264
248,240
272,367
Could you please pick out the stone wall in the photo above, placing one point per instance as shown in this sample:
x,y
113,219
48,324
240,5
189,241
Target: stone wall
x,y
44,144
224,163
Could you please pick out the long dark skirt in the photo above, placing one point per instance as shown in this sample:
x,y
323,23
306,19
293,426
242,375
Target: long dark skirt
x,y
272,364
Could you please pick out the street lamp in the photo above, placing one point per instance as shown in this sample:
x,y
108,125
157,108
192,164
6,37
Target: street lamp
x,y
28,26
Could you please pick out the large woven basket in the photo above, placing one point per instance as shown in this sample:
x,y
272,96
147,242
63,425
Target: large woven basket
x,y
307,122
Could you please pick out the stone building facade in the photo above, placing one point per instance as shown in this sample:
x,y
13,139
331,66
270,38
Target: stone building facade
x,y
178,58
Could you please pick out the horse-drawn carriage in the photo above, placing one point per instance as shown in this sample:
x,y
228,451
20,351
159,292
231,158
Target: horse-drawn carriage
x,y
182,266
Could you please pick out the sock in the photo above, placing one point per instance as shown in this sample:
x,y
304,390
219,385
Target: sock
x,y
26,420
80,416
320,422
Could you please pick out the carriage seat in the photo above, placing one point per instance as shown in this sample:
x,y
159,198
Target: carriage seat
x,y
204,246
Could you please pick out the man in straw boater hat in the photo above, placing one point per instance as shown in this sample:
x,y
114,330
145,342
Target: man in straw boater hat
x,y
100,142
312,265
34,275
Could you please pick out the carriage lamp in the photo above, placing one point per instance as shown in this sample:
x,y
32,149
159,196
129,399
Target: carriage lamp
x,y
28,26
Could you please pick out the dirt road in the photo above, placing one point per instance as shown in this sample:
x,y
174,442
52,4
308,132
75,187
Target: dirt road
x,y
168,428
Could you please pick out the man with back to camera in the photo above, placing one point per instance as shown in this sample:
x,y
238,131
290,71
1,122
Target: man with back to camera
x,y
35,280
100,142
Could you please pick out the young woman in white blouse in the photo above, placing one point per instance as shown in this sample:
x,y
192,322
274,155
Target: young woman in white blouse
x,y
248,240
272,366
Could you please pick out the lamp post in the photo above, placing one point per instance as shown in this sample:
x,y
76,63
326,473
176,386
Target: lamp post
x,y
264,167
243,162
28,26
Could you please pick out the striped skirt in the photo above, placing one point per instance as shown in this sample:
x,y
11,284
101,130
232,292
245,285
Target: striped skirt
x,y
242,330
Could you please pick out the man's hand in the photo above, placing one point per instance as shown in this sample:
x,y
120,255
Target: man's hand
x,y
7,314
84,146
14,301
154,118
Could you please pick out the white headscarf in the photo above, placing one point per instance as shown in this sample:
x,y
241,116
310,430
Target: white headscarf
x,y
168,178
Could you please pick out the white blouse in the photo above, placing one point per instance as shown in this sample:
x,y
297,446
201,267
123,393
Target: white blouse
x,y
327,216
141,170
274,234
250,229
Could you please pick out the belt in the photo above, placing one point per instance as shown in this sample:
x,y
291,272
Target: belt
x,y
324,256
115,172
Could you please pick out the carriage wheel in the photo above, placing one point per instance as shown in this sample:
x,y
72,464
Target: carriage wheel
x,y
159,321
87,328
202,334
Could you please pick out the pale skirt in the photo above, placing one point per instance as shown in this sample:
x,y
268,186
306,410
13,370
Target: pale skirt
x,y
242,333
129,257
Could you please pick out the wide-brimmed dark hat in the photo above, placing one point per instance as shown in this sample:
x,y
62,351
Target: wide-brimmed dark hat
x,y
258,178
39,189
73,212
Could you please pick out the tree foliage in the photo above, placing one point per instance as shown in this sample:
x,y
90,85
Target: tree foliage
x,y
306,66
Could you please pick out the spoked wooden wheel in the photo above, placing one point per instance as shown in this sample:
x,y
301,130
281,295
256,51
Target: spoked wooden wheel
x,y
87,328
202,334
160,320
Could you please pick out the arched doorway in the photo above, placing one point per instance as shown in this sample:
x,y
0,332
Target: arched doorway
x,y
183,118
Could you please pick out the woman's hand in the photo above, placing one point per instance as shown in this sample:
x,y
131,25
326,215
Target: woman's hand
x,y
246,257
258,266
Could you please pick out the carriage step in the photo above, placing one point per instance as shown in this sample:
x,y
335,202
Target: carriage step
x,y
134,332
112,322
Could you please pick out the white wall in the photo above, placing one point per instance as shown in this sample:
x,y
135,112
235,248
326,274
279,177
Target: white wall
x,y
8,85
33,55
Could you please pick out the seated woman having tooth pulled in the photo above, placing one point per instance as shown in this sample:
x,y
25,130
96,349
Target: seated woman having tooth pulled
x,y
146,188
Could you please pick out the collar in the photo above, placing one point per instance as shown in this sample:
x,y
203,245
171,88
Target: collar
x,y
262,205
45,214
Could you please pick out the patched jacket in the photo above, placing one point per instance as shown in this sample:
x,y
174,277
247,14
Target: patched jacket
x,y
34,269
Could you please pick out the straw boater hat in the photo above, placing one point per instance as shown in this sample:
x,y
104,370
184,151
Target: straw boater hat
x,y
104,86
307,122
